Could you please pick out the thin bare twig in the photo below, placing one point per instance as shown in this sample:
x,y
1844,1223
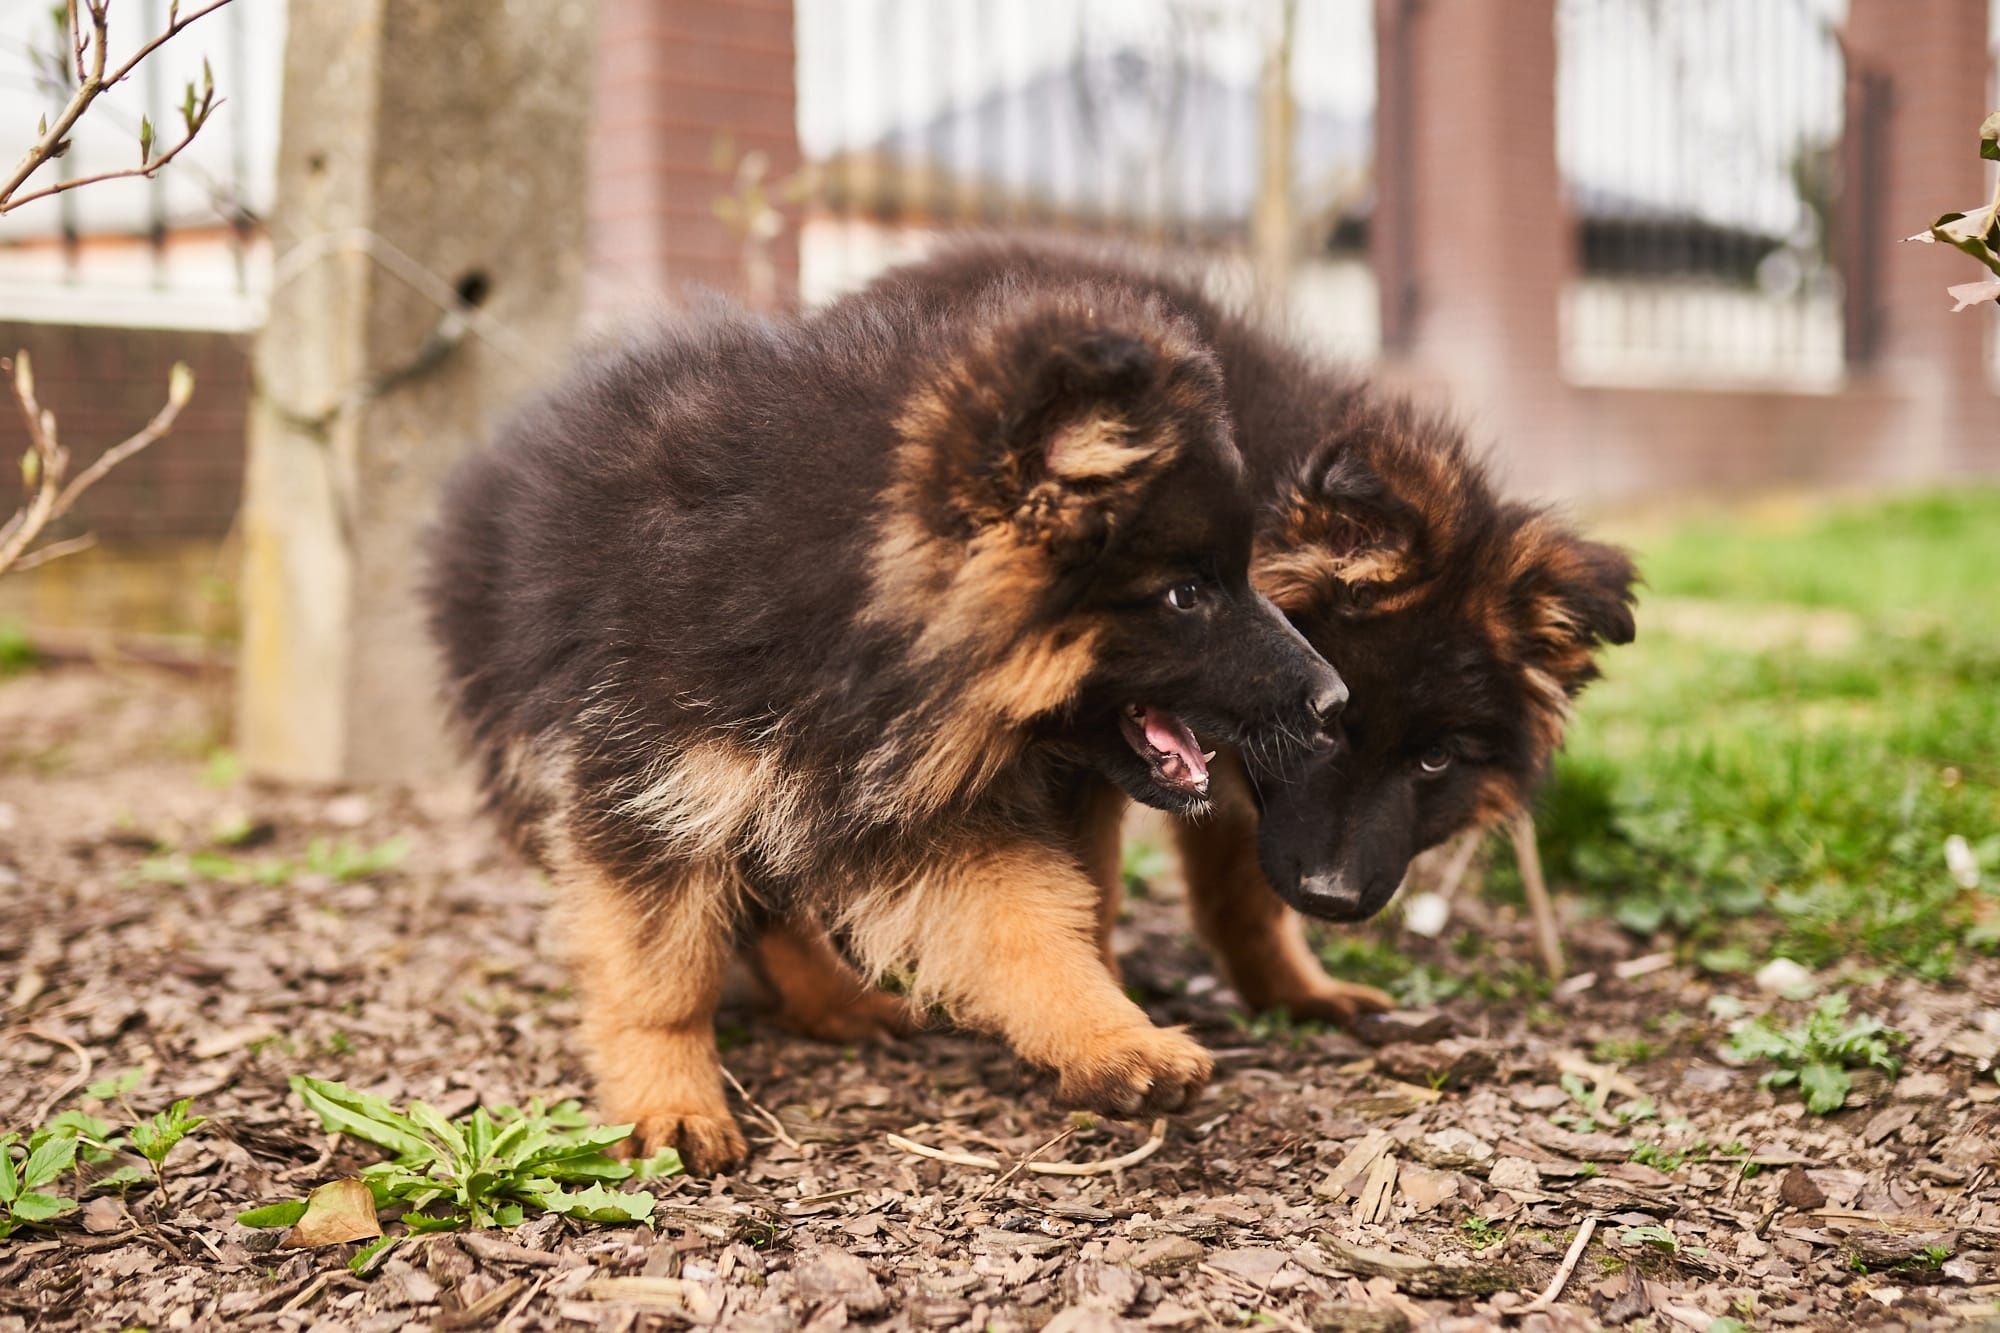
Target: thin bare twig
x,y
55,492
69,1085
92,81
777,1127
1528,853
940,1155
1015,1169
1139,1154
1554,1290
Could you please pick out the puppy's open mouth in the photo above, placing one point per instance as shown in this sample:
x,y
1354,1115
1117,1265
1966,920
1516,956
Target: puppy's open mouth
x,y
1173,756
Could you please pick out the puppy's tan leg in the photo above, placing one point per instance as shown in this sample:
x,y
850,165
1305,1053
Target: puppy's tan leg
x,y
1006,939
1260,942
813,992
1100,810
650,965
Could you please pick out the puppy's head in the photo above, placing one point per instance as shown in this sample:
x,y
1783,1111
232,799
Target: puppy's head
x,y
1464,626
1071,534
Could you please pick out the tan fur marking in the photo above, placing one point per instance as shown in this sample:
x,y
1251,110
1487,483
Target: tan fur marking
x,y
812,991
1100,448
1004,938
650,967
715,797
1260,942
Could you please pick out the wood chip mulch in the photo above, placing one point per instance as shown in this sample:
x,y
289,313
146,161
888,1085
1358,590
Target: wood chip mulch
x,y
1435,1176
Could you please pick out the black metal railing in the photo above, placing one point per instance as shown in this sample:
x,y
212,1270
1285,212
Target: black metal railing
x,y
185,247
1146,120
1701,148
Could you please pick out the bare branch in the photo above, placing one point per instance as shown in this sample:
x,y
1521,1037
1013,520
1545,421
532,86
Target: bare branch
x,y
122,174
92,80
54,492
54,551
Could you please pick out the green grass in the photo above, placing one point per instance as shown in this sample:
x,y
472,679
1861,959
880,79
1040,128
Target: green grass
x,y
1812,708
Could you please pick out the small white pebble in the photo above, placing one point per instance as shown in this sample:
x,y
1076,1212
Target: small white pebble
x,y
1782,976
1426,914
1958,859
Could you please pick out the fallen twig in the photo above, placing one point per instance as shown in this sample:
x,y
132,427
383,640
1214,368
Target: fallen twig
x,y
67,1086
941,1155
775,1125
1528,853
1556,1284
1015,1169
1139,1154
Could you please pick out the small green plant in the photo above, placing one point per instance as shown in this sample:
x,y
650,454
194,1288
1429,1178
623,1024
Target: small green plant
x,y
1662,1158
1481,1233
482,1169
1624,1051
343,862
1658,1238
78,1144
17,650
1817,1053
24,1185
1141,865
1275,1025
160,1134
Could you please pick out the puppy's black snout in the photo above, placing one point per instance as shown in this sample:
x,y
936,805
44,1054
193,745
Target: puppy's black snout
x,y
1327,699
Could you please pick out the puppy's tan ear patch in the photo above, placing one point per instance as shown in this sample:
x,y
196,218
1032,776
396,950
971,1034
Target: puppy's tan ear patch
x,y
1099,448
1343,550
1567,598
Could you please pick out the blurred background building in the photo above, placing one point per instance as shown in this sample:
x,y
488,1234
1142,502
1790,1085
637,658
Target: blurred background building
x,y
1643,247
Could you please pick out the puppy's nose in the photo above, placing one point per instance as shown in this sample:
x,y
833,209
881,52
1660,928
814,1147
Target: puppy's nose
x,y
1327,699
1331,897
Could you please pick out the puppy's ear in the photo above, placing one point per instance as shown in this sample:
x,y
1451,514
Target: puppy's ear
x,y
1339,537
1568,597
1056,414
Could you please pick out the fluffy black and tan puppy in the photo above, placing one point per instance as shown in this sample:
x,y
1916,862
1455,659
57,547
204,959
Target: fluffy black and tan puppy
x,y
1463,623
829,620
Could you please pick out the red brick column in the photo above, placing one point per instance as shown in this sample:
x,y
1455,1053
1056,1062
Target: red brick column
x,y
1933,60
1474,241
685,89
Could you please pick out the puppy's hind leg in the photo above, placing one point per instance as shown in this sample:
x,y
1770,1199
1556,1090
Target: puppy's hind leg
x,y
812,991
650,963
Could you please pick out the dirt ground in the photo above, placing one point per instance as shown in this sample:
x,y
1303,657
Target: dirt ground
x,y
1432,1179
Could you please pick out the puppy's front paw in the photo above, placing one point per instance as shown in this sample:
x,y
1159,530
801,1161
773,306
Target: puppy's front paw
x,y
708,1142
1136,1071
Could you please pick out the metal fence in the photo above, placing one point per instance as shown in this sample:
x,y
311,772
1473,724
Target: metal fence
x,y
1147,119
183,249
1701,148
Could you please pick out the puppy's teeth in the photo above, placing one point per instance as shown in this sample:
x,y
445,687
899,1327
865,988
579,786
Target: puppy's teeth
x,y
1207,755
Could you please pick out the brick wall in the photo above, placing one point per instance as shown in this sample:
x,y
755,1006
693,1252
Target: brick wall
x,y
685,89
105,383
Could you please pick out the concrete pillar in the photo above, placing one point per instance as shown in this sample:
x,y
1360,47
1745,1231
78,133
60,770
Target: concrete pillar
x,y
1932,61
689,90
429,147
1474,240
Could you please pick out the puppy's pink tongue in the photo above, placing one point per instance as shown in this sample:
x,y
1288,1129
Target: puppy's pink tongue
x,y
1171,737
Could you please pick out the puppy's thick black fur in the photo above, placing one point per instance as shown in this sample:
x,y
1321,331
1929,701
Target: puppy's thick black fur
x,y
1463,622
828,620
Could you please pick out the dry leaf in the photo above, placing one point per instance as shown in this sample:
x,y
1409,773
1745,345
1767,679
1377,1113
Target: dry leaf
x,y
335,1213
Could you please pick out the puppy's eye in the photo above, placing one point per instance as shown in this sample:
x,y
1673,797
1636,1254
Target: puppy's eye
x,y
1435,760
1184,596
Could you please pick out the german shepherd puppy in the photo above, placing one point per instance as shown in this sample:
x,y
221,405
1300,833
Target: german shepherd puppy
x,y
829,620
1464,624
